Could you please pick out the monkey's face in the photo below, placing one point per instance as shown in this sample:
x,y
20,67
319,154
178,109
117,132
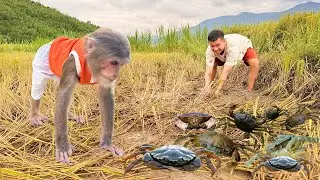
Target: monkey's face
x,y
107,70
110,68
105,57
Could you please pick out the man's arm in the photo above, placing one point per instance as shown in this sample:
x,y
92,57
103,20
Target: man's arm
x,y
211,70
223,77
209,75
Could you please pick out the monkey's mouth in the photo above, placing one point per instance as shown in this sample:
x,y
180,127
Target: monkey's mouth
x,y
105,79
111,79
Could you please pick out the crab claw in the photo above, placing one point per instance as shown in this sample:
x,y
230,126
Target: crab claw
x,y
180,124
210,123
231,109
207,156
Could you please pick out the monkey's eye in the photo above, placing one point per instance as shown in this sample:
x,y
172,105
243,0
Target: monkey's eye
x,y
114,63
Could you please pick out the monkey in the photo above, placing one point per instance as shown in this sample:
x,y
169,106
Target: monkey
x,y
95,58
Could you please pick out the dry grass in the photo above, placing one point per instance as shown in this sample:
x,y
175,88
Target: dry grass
x,y
152,90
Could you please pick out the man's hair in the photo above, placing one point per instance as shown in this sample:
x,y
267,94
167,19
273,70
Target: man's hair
x,y
215,35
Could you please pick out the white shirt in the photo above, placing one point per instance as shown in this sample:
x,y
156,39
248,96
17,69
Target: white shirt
x,y
235,50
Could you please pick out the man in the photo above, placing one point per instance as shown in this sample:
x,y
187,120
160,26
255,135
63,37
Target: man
x,y
226,50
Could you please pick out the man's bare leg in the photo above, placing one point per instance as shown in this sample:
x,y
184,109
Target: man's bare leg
x,y
253,72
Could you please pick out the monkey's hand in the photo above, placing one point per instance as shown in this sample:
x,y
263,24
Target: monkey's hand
x,y
38,119
63,151
113,149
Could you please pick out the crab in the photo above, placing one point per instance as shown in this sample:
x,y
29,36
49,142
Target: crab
x,y
247,123
173,156
218,143
285,163
280,154
194,120
274,112
299,118
285,143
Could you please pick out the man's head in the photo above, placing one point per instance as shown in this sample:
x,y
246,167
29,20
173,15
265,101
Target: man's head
x,y
216,41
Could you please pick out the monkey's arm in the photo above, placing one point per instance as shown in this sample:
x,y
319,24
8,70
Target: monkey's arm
x,y
106,101
67,83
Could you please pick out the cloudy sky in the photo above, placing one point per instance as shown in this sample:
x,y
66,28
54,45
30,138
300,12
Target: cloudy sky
x,y
147,15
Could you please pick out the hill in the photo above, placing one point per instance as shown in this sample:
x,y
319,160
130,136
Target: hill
x,y
25,20
254,18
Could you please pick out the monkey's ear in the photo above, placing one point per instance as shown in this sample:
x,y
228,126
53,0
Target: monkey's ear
x,y
91,43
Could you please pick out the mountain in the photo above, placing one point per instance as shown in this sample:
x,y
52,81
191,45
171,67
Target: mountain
x,y
254,18
26,20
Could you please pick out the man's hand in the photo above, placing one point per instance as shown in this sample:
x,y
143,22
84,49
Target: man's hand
x,y
217,92
206,90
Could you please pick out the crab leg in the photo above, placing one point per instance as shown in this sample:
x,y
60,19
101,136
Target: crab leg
x,y
249,149
228,124
210,154
236,157
133,155
244,152
304,163
180,139
131,165
251,160
209,164
262,129
253,137
257,168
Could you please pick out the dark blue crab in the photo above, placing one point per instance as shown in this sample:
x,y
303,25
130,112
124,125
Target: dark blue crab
x,y
285,144
273,112
245,121
281,153
285,163
173,156
248,123
300,117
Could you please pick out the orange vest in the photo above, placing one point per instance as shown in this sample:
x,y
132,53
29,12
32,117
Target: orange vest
x,y
60,51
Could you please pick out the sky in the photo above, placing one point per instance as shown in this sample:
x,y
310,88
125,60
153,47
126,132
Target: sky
x,y
127,16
